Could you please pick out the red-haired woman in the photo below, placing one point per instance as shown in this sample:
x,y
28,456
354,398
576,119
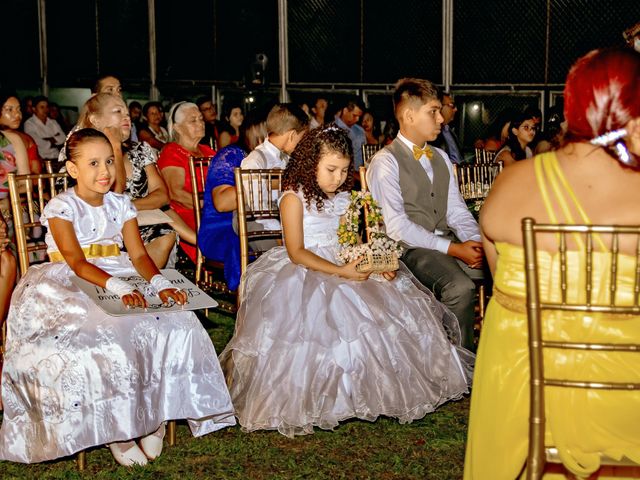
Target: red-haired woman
x,y
578,183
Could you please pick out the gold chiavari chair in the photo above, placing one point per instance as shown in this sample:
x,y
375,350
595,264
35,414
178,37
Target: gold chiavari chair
x,y
209,274
484,157
257,191
540,454
475,181
369,151
29,194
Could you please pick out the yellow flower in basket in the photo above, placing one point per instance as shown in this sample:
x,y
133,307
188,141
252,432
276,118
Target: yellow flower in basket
x,y
380,253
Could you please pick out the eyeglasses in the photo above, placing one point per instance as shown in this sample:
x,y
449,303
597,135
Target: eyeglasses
x,y
529,128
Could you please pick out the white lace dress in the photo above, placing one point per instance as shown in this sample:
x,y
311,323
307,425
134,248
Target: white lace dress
x,y
75,377
312,349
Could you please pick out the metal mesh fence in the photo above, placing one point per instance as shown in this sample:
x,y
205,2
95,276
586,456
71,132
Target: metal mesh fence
x,y
501,41
324,41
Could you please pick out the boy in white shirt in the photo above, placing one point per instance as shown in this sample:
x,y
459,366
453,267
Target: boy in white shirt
x,y
286,125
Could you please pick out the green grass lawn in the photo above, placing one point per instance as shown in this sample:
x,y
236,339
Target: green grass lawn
x,y
431,448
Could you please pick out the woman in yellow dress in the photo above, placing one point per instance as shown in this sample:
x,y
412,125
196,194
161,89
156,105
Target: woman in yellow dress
x,y
579,183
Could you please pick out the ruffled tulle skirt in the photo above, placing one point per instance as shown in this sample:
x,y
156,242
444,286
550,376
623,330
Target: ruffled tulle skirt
x,y
75,377
312,349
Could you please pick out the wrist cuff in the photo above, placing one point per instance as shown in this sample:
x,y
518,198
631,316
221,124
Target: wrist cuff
x,y
119,287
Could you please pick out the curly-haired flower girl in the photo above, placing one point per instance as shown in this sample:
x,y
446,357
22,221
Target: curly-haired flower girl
x,y
317,342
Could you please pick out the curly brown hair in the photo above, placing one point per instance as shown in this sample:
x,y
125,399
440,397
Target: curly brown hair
x,y
301,171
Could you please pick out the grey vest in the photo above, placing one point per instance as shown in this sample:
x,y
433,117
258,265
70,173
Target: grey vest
x,y
425,203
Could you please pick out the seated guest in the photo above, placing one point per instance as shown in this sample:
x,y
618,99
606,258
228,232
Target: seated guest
x,y
498,132
110,84
580,183
56,114
347,116
229,130
551,138
45,131
318,111
522,131
422,206
447,139
186,129
152,130
371,128
136,171
10,119
209,112
217,237
286,124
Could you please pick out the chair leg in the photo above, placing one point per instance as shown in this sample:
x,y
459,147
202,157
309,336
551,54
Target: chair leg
x,y
171,432
481,301
81,460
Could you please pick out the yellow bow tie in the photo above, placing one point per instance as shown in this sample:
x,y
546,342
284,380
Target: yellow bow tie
x,y
418,152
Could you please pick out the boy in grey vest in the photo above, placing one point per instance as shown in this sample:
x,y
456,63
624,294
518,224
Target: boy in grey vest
x,y
422,206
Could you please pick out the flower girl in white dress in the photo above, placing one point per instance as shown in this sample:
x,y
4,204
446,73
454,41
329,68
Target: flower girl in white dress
x,y
317,342
75,377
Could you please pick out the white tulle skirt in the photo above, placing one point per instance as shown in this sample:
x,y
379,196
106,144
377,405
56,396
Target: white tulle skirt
x,y
75,377
312,349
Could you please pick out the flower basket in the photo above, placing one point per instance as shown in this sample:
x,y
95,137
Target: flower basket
x,y
380,253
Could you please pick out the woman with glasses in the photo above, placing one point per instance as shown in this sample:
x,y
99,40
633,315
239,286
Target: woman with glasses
x,y
521,133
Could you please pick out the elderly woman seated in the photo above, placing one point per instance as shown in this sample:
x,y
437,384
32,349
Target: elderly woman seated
x,y
217,238
186,129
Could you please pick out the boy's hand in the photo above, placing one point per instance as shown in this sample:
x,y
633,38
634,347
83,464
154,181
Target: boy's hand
x,y
169,294
134,299
470,252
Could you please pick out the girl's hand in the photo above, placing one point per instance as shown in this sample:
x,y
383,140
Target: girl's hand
x,y
349,271
169,294
134,299
389,275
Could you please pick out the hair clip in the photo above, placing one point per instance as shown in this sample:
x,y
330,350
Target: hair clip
x,y
331,128
614,143
609,137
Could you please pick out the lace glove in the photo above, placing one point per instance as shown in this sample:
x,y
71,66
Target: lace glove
x,y
119,287
157,284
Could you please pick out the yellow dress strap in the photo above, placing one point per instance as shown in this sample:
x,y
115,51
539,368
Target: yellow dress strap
x,y
548,171
92,251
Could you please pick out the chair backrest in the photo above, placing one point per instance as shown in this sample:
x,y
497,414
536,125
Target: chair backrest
x,y
536,306
198,167
257,192
369,151
484,156
475,181
53,166
29,194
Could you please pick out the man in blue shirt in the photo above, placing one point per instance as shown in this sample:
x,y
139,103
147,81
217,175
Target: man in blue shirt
x,y
447,140
347,116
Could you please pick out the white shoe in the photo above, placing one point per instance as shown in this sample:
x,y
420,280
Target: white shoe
x,y
127,453
151,445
